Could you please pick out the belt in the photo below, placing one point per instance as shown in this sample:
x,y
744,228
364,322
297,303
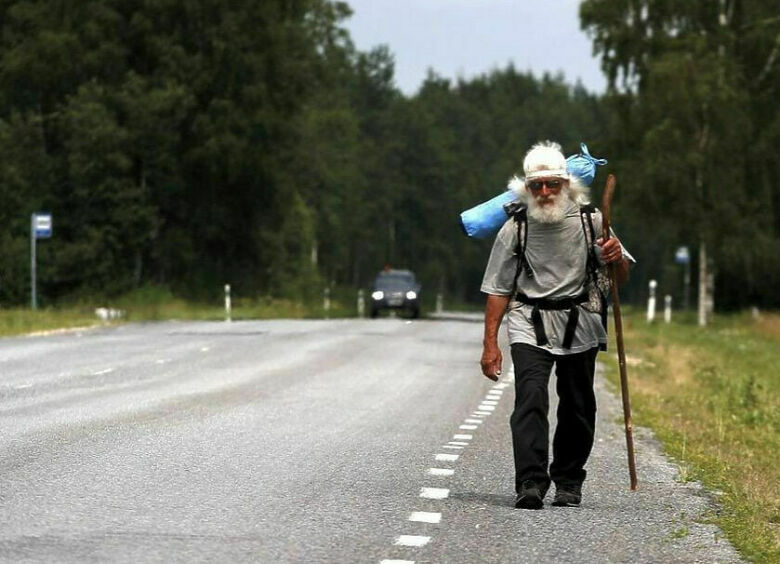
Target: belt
x,y
561,304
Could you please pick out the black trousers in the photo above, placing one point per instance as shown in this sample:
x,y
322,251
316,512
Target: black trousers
x,y
573,439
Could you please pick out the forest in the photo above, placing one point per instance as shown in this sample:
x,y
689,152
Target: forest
x,y
185,144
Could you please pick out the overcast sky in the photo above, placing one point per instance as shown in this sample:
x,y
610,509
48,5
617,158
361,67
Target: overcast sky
x,y
465,38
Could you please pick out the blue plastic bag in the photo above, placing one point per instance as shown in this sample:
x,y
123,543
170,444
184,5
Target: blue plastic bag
x,y
583,165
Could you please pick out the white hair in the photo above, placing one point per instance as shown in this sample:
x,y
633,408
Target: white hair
x,y
546,159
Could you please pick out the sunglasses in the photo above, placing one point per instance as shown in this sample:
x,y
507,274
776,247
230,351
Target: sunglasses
x,y
551,184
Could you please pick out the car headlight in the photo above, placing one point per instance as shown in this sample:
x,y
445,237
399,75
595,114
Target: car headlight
x,y
378,295
411,295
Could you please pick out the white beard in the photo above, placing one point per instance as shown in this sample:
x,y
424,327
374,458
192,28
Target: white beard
x,y
550,213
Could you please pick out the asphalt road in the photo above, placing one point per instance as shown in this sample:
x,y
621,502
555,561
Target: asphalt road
x,y
304,441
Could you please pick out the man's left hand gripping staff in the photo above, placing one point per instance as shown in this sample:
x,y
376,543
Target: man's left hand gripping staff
x,y
491,354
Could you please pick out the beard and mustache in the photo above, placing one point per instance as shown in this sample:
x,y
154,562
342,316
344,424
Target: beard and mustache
x,y
552,211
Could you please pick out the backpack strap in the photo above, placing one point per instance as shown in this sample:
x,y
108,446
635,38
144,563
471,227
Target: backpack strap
x,y
586,217
520,216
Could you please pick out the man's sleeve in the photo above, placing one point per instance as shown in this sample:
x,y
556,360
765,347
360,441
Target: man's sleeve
x,y
499,279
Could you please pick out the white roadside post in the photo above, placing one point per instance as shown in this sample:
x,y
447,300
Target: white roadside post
x,y
361,304
439,302
667,308
40,228
326,302
228,304
651,302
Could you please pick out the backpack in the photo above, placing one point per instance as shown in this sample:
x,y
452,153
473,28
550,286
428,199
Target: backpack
x,y
597,284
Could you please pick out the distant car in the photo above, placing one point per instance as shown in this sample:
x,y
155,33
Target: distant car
x,y
396,290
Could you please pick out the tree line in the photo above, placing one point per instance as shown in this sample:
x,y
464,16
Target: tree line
x,y
191,143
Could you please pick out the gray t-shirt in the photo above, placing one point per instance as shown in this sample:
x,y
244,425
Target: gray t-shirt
x,y
557,255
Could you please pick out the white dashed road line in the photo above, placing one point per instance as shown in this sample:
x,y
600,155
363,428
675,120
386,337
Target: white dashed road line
x,y
101,372
460,442
412,540
425,517
434,493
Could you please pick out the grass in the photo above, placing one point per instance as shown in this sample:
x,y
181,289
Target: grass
x,y
157,304
22,321
711,396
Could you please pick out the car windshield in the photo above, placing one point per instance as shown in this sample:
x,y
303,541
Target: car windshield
x,y
394,282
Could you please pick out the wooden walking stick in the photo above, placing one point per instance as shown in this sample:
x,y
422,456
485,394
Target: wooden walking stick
x,y
606,202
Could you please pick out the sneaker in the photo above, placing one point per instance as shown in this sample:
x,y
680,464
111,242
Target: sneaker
x,y
567,496
529,497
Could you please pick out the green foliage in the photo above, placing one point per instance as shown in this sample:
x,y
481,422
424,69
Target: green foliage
x,y
193,144
695,134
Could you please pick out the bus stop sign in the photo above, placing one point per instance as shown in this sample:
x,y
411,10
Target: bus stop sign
x,y
42,225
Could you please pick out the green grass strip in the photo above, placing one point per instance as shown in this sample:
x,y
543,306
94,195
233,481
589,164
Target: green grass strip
x,y
711,396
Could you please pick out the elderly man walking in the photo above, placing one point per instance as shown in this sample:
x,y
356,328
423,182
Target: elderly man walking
x,y
542,273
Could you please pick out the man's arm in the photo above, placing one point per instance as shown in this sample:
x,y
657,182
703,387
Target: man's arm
x,y
495,307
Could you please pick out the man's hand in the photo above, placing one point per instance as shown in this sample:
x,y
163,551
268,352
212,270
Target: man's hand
x,y
495,307
609,251
491,361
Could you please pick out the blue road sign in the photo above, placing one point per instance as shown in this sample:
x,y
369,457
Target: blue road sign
x,y
682,256
42,225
